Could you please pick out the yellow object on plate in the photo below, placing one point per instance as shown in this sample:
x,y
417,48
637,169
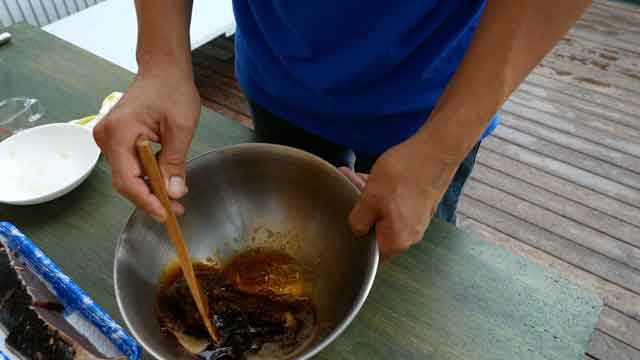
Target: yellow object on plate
x,y
107,104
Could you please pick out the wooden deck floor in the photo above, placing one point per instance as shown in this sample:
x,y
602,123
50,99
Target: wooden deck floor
x,y
559,181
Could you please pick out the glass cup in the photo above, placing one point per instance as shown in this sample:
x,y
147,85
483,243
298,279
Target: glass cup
x,y
18,113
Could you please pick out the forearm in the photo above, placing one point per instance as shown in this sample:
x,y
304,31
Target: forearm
x,y
163,35
512,37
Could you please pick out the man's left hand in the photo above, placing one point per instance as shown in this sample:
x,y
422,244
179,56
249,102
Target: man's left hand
x,y
400,195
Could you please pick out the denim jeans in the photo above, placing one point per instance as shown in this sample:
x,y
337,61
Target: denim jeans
x,y
272,129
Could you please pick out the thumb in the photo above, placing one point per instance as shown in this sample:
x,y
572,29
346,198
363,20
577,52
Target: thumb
x,y
363,216
172,159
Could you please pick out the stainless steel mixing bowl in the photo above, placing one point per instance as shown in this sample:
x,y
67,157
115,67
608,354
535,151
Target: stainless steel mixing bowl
x,y
246,196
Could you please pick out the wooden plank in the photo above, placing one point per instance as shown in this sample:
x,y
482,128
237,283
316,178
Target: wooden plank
x,y
605,347
539,238
621,6
573,142
588,102
615,20
629,9
613,295
584,80
622,143
221,67
566,171
589,96
612,65
596,27
558,186
226,97
205,77
558,204
557,224
229,113
217,85
229,99
225,42
604,58
565,112
211,49
594,32
565,154
624,79
620,326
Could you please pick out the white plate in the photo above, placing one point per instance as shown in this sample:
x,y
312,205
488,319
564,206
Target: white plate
x,y
45,162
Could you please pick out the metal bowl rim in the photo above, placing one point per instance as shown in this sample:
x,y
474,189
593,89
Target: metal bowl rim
x,y
364,290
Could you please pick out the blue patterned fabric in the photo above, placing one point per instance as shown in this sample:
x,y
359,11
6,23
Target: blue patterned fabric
x,y
68,293
3,356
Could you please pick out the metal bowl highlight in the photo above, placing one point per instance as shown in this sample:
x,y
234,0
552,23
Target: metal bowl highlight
x,y
246,196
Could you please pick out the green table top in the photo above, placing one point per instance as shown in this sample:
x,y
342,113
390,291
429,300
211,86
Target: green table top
x,y
452,297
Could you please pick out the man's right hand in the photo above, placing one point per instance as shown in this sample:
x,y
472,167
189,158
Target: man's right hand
x,y
161,107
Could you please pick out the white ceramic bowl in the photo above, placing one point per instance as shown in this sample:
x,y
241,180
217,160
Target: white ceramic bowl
x,y
45,162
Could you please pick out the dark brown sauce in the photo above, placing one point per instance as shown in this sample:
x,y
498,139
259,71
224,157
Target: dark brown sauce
x,y
260,298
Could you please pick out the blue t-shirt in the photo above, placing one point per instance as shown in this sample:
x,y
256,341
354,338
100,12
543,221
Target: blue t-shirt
x,y
365,74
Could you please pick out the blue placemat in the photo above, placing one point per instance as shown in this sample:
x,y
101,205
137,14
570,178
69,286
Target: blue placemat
x,y
80,310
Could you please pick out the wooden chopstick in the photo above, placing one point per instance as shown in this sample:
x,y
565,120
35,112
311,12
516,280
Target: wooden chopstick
x,y
152,170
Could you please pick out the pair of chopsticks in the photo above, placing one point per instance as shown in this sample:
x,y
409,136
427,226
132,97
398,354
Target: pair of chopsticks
x,y
152,170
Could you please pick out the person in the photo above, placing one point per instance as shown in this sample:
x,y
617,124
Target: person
x,y
406,88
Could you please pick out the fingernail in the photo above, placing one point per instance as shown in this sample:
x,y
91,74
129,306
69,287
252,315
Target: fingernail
x,y
176,186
